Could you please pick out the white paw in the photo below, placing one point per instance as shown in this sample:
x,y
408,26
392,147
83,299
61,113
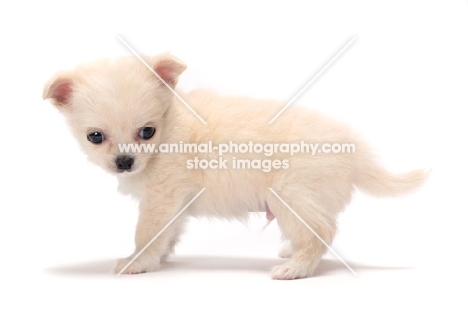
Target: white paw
x,y
286,251
141,265
289,271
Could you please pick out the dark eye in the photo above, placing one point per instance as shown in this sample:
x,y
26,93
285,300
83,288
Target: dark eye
x,y
147,132
96,137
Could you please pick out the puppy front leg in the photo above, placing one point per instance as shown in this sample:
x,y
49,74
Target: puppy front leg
x,y
152,219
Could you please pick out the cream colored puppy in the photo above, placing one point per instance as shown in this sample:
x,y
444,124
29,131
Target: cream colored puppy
x,y
112,102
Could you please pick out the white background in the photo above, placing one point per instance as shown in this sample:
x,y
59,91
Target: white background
x,y
403,82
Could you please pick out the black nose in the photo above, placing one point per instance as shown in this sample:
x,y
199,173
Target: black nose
x,y
124,162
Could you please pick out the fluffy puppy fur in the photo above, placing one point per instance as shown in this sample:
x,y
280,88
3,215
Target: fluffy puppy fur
x,y
118,98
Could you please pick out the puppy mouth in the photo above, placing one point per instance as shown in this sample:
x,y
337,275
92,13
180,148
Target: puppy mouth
x,y
122,172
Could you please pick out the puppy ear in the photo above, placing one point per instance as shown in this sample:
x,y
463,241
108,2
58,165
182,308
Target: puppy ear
x,y
168,68
59,89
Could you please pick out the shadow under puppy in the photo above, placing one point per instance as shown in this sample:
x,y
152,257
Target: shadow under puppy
x,y
121,101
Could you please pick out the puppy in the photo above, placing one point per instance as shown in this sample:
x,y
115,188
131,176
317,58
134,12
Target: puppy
x,y
108,103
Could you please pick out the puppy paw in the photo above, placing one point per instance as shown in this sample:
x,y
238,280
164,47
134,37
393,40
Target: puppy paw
x,y
289,271
286,251
140,265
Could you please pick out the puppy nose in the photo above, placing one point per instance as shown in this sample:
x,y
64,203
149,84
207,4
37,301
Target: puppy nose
x,y
124,162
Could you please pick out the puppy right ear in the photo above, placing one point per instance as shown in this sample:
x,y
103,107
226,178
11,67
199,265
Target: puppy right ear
x,y
59,89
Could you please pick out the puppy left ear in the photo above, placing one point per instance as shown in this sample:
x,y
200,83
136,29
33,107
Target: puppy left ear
x,y
168,68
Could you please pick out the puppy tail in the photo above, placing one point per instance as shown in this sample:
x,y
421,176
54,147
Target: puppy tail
x,y
377,181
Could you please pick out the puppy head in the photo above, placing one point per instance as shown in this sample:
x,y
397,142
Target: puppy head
x,y
108,103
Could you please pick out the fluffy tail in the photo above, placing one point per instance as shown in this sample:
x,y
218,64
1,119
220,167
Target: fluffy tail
x,y
379,182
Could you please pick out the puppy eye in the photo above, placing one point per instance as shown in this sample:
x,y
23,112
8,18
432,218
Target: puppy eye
x,y
147,132
96,137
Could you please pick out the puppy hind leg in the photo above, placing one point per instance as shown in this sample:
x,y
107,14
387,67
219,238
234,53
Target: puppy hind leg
x,y
307,253
306,246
